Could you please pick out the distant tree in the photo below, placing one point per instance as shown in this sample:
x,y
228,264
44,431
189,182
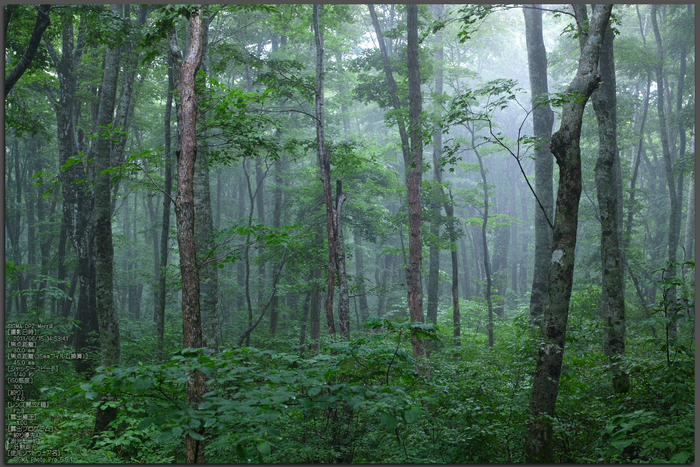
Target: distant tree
x,y
542,121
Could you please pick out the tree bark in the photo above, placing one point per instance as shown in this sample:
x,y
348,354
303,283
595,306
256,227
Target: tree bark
x,y
77,201
185,70
613,295
542,121
315,305
414,181
344,293
325,168
204,223
107,319
165,229
539,445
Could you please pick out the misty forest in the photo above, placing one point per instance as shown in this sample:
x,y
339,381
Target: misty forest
x,y
300,233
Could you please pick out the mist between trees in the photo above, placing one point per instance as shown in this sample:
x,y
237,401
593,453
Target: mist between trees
x,y
350,233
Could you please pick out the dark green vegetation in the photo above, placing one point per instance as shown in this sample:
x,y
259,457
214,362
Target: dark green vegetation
x,y
307,233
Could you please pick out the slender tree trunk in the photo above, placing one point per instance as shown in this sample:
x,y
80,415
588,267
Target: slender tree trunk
x,y
360,275
539,444
500,276
543,119
260,204
315,300
325,167
240,272
674,214
185,70
613,297
434,268
204,224
484,244
414,181
165,229
280,167
344,293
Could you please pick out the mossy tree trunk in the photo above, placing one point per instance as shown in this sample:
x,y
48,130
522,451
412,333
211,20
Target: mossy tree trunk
x,y
539,445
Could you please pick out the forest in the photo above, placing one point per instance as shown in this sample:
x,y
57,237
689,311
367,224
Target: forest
x,y
349,233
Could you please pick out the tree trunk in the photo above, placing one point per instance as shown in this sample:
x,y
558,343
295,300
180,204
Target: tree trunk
x,y
344,295
539,445
360,275
542,121
500,260
42,22
674,214
280,167
77,202
315,301
613,296
185,70
204,224
165,229
104,247
325,168
484,244
414,181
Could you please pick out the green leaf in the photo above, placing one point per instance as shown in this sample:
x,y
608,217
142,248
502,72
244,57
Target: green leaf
x,y
412,414
389,421
680,458
145,423
142,382
195,435
264,448
622,444
314,391
163,437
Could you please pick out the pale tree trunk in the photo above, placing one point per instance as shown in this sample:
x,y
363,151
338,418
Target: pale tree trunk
x,y
325,168
125,107
360,274
613,295
315,301
414,180
165,229
484,244
204,224
110,348
542,121
241,267
500,266
433,269
280,167
539,444
185,70
344,292
260,204
674,214
438,11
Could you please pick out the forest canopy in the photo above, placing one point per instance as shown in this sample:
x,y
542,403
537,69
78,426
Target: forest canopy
x,y
349,233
